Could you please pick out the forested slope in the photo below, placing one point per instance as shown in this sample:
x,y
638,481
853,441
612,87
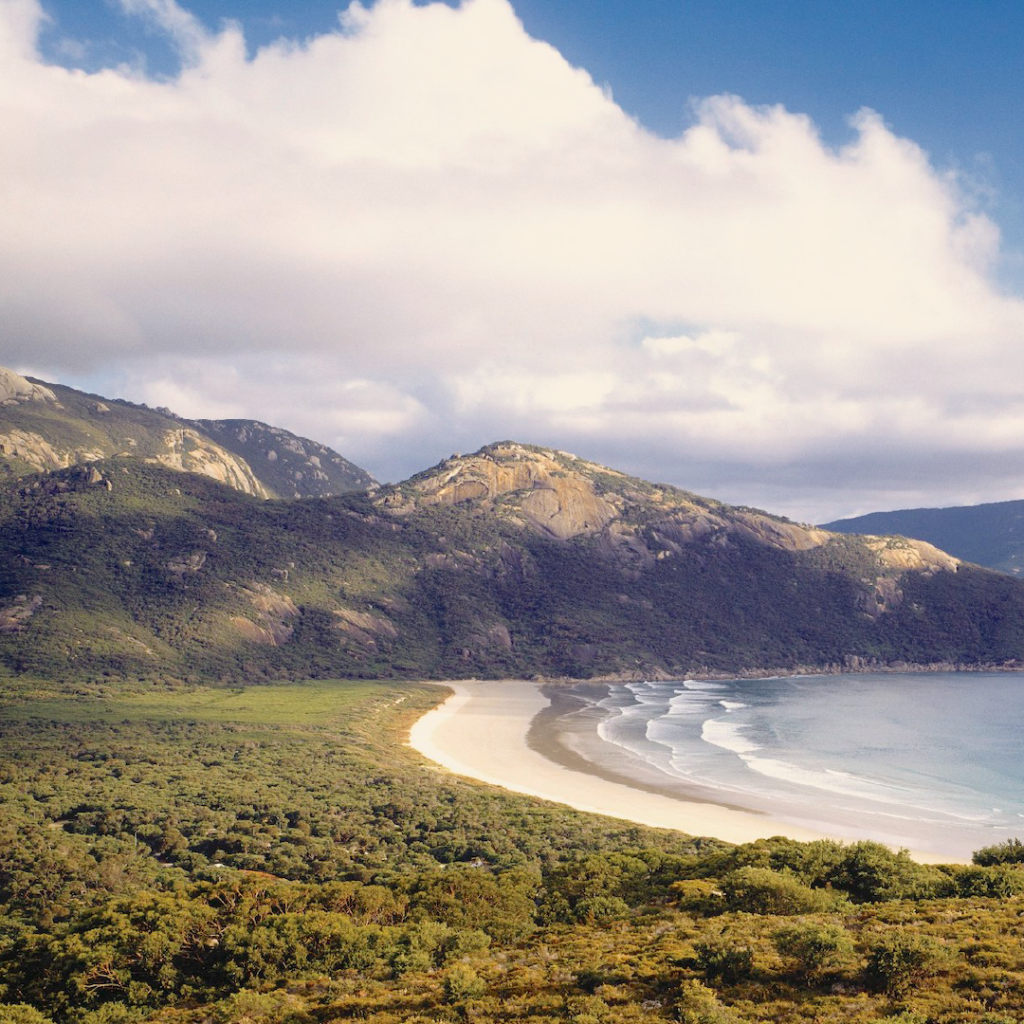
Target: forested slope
x,y
274,855
515,561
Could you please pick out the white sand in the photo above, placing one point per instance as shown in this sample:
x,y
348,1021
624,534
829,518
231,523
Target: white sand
x,y
481,732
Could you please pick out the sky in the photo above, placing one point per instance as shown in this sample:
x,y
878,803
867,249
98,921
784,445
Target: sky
x,y
772,252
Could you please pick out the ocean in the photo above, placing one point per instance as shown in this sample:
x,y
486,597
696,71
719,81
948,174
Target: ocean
x,y
933,762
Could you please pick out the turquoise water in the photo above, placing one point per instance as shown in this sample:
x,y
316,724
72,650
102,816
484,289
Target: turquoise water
x,y
931,761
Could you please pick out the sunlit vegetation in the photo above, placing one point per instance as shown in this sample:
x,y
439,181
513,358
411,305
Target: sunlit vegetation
x,y
275,854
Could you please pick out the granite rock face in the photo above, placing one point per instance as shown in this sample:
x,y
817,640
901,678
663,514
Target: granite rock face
x,y
15,389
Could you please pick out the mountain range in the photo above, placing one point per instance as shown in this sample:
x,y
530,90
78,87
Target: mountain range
x,y
140,545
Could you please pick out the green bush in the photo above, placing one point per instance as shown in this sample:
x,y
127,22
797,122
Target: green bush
x,y
697,1004
723,959
462,982
1009,852
871,873
902,960
763,891
812,946
21,1013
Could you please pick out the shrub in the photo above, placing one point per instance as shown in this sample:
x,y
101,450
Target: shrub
x,y
697,1004
21,1013
462,982
724,959
1009,852
999,881
764,891
901,960
813,947
872,873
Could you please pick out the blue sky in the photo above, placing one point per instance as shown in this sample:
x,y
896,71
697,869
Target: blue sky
x,y
671,239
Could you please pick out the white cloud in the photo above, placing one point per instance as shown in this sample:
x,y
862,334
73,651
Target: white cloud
x,y
469,239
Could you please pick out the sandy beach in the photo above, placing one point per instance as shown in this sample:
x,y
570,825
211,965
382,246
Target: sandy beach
x,y
507,733
481,732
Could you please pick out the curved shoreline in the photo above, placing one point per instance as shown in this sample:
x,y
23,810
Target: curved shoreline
x,y
484,731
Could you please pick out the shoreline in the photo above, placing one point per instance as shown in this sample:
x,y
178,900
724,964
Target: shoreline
x,y
510,734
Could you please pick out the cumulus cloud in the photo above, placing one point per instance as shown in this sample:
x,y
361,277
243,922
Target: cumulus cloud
x,y
427,230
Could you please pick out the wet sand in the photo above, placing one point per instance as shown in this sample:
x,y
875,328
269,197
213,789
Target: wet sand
x,y
507,733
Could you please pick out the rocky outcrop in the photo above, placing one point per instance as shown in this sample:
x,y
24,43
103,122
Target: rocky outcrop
x,y
777,532
14,618
190,452
189,563
46,428
551,499
364,627
274,612
15,389
33,449
562,496
288,465
905,553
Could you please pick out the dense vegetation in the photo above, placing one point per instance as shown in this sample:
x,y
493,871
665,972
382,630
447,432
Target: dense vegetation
x,y
275,854
166,574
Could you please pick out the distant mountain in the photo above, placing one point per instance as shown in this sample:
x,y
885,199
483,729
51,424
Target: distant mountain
x,y
991,535
290,466
47,426
512,561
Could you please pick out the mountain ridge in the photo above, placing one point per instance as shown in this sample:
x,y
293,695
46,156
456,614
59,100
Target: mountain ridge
x,y
493,564
47,426
163,559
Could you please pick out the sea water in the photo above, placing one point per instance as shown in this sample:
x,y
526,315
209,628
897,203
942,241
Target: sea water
x,y
929,761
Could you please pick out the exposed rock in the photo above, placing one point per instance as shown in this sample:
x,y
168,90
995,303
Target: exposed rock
x,y
288,465
15,389
886,596
34,449
188,451
14,618
273,612
365,627
779,534
553,501
904,553
187,563
99,408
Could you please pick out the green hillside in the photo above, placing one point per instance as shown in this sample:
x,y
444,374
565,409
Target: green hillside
x,y
990,534
512,561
